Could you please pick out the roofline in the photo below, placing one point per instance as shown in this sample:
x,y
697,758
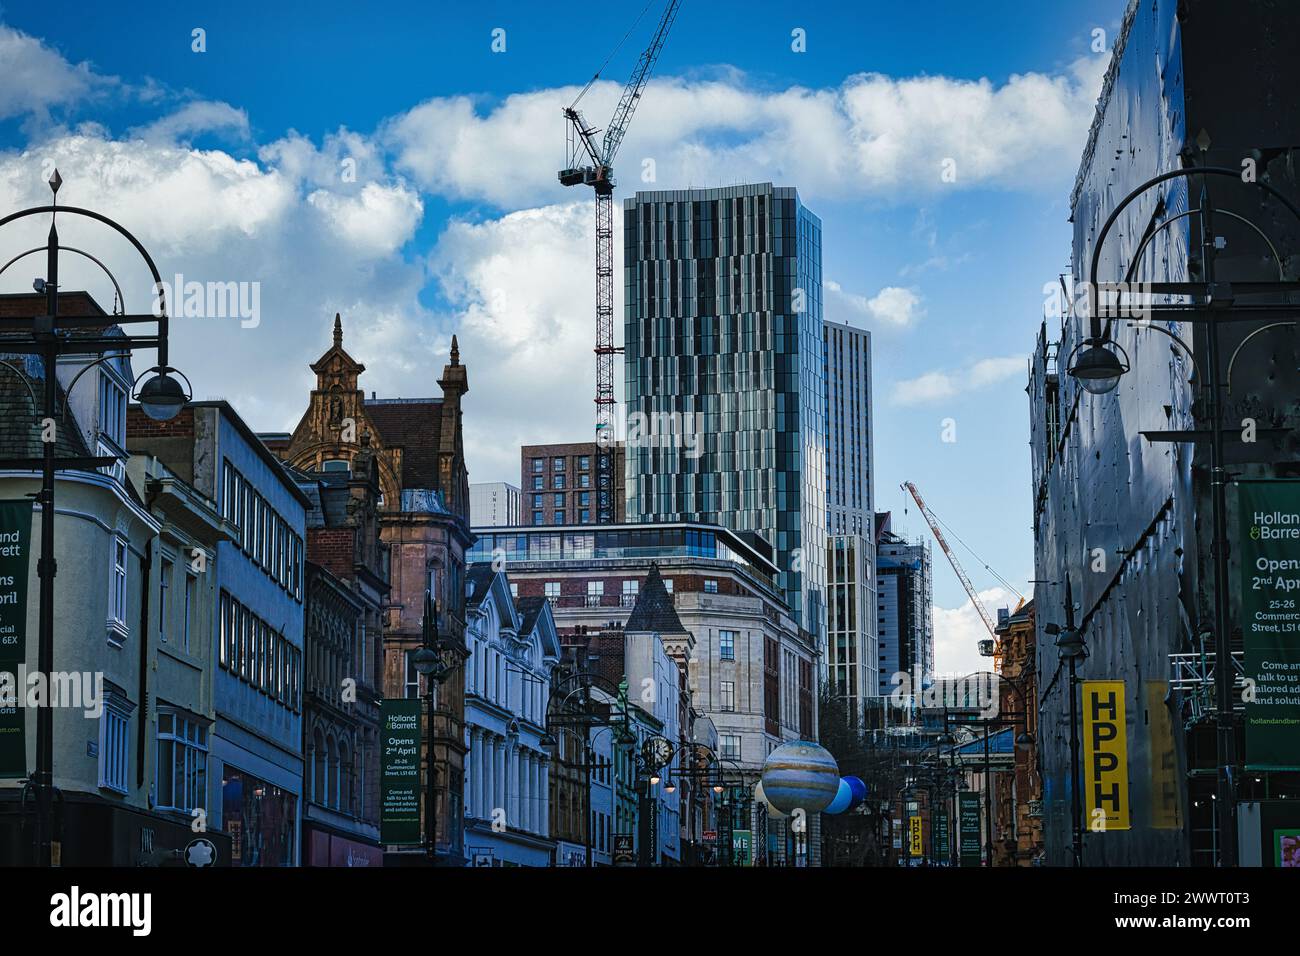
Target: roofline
x,y
734,540
250,436
1103,100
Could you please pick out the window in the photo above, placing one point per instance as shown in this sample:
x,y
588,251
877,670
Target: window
x,y
538,465
710,586
223,646
595,591
412,678
514,589
112,409
558,464
114,742
537,501
559,517
584,498
728,695
539,518
552,590
585,515
730,746
191,583
181,774
630,590
584,463
558,500
538,483
117,595
165,570
727,645
559,481
584,481
668,585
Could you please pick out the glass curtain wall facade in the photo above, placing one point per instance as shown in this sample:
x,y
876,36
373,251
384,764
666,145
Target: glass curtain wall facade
x,y
723,341
852,647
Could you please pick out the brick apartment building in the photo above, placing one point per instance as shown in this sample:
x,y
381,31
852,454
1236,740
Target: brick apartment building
x,y
559,484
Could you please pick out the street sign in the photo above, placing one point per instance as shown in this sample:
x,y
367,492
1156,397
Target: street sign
x,y
968,819
624,854
710,836
15,560
200,853
1105,755
742,844
1269,539
399,796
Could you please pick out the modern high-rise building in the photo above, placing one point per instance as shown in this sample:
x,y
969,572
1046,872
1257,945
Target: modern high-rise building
x,y
725,403
493,504
851,663
904,622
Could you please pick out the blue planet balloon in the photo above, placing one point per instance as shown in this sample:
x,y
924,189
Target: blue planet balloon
x,y
859,790
800,775
843,798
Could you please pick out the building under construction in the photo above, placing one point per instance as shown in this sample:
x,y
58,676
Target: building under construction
x,y
1123,490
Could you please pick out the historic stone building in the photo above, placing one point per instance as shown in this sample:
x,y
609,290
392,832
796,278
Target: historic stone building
x,y
347,589
418,451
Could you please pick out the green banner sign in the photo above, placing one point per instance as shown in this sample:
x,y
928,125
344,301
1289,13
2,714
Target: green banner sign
x,y
1269,547
941,847
742,848
15,558
968,819
399,777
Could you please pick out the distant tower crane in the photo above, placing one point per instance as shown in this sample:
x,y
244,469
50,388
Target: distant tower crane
x,y
593,165
933,522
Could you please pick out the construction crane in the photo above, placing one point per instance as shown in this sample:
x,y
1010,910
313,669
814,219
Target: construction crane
x,y
592,164
932,520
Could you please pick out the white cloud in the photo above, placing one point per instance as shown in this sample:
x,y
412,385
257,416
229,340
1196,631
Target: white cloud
x,y
936,386
891,306
378,220
523,303
37,77
958,630
200,116
871,135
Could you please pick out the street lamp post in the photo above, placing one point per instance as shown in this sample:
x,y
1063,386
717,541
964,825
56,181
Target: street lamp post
x,y
1069,643
161,398
432,661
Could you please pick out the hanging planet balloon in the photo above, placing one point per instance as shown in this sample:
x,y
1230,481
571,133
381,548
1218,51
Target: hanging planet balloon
x,y
843,798
800,775
761,797
859,790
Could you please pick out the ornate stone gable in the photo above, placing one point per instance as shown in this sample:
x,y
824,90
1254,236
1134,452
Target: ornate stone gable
x,y
335,425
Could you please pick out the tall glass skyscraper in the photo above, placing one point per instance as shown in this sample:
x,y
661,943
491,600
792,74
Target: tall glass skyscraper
x,y
852,658
723,339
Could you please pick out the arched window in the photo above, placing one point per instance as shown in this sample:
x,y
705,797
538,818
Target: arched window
x,y
331,795
345,777
318,766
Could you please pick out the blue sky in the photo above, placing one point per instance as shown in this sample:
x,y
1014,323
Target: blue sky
x,y
229,164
